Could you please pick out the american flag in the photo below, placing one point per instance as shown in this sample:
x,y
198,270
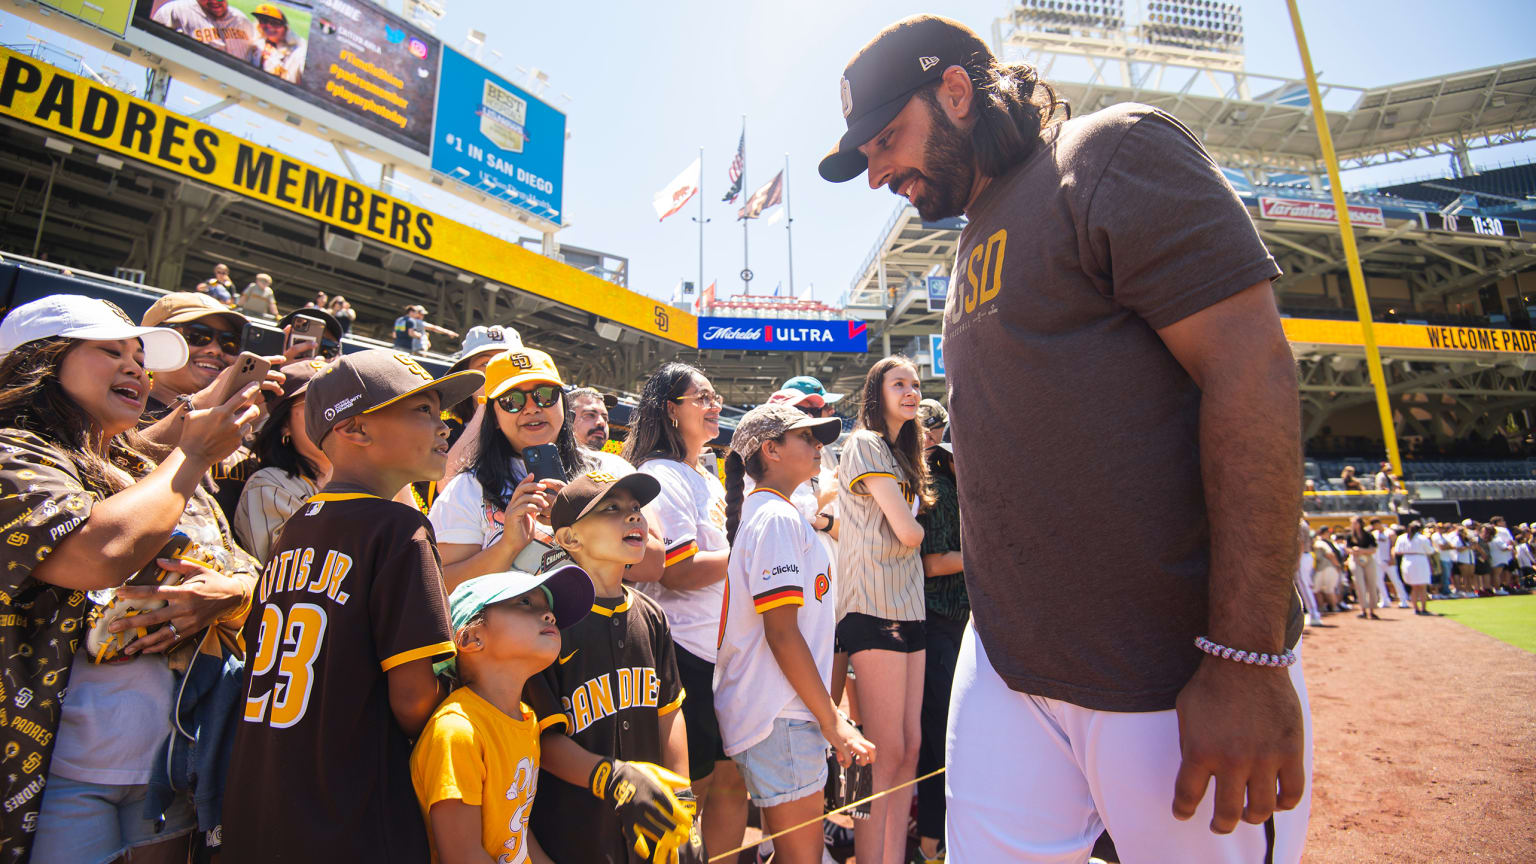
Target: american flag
x,y
734,173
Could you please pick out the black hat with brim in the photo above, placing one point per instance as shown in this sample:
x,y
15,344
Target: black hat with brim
x,y
880,80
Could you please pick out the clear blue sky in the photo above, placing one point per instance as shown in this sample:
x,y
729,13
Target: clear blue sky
x,y
651,83
648,84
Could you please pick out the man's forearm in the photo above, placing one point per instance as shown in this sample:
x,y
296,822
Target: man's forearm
x,y
1250,461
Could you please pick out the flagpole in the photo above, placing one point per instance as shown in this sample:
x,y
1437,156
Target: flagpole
x,y
745,266
700,219
789,234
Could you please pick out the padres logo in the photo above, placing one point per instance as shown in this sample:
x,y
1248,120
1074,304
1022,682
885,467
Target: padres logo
x,y
415,368
116,310
823,585
521,361
601,477
17,538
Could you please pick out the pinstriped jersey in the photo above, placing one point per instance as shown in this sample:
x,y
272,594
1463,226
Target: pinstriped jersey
x,y
879,576
320,769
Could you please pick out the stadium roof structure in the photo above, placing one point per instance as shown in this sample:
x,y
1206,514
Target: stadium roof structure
x,y
1255,121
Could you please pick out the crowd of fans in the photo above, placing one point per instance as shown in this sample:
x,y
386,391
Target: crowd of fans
x,y
259,301
1372,565
552,651
650,641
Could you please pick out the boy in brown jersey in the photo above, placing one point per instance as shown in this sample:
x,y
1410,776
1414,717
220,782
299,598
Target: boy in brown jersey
x,y
350,617
608,704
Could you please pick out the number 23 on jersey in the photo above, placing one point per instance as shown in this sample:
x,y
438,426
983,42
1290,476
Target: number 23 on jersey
x,y
290,647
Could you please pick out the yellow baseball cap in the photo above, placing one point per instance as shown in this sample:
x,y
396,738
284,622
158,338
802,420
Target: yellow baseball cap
x,y
267,10
519,366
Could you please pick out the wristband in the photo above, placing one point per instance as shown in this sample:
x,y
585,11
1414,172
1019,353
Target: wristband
x,y
1252,658
831,521
240,611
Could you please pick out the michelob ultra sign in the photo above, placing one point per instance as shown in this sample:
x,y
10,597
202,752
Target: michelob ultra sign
x,y
784,334
69,105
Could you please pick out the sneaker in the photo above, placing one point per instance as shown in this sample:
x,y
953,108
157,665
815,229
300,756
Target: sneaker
x,y
1315,621
1402,606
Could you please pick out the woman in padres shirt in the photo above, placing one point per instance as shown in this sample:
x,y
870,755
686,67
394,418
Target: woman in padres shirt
x,y
678,415
772,683
882,478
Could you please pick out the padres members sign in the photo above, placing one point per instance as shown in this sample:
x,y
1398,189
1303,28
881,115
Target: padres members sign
x,y
1313,331
67,104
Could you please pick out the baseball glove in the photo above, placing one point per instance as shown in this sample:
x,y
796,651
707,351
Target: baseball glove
x,y
657,821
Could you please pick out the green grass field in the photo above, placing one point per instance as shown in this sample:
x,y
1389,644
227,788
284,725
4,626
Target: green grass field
x,y
1508,619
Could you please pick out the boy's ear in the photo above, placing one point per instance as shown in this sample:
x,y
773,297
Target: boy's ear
x,y
469,640
352,431
567,538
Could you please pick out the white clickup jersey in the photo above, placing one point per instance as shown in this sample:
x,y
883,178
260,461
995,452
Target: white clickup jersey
x,y
776,561
1384,540
690,514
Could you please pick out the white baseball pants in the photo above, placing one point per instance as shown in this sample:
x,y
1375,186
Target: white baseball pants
x,y
1035,779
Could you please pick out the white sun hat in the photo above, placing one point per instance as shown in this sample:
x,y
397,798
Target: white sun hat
x,y
76,316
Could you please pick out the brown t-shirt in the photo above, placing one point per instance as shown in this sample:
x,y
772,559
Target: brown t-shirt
x,y
320,770
1069,414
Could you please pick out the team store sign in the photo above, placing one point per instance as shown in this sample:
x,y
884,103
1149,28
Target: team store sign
x,y
783,334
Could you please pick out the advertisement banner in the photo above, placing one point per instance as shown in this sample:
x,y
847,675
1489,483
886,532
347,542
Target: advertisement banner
x,y
498,138
936,352
938,292
109,15
69,105
783,334
349,57
1306,210
1316,331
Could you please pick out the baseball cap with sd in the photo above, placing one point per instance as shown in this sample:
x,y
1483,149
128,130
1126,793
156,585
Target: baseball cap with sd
x,y
583,494
519,366
880,79
366,381
74,316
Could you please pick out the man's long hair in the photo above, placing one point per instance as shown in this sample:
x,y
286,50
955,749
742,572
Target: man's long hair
x,y
1013,106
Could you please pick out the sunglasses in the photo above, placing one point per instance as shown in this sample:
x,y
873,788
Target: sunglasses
x,y
330,349
199,335
544,396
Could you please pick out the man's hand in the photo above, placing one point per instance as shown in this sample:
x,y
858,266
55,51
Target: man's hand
x,y
644,796
1241,724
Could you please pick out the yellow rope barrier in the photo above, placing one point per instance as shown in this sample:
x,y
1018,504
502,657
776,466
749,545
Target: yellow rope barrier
x,y
723,856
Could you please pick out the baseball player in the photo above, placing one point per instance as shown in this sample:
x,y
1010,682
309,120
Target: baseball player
x,y
614,747
350,616
213,23
280,53
1112,323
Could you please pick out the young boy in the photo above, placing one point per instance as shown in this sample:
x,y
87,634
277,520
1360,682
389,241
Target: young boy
x,y
608,705
351,616
476,764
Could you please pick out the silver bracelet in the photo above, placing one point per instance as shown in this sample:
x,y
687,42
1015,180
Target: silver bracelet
x,y
1253,658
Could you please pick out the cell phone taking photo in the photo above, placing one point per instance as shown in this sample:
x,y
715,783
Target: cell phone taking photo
x,y
543,462
305,330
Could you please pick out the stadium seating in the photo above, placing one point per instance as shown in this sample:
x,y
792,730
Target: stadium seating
x,y
1515,181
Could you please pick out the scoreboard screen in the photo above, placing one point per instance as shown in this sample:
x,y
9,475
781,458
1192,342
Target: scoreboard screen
x,y
1484,226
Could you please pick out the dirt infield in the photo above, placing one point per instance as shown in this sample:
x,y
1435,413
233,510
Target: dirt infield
x,y
1424,738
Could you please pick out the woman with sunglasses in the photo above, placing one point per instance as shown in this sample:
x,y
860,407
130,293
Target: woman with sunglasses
x,y
676,418
487,518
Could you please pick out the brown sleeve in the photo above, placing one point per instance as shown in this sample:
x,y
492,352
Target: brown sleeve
x,y
1165,230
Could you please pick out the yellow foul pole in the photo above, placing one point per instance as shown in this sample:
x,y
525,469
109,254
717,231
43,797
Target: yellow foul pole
x,y
1351,254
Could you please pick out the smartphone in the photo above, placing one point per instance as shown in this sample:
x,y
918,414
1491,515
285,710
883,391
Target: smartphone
x,y
248,368
261,340
305,328
543,462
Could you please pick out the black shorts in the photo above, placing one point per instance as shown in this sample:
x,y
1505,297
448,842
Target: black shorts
x,y
705,745
859,632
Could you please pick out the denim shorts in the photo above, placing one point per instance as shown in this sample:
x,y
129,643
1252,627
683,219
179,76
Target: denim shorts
x,y
93,823
790,764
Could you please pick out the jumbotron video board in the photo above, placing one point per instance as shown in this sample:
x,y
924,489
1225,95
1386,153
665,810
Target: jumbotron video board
x,y
349,57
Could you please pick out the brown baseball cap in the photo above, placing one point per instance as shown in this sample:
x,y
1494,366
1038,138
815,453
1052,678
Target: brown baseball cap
x,y
366,381
767,422
296,378
587,491
184,307
881,78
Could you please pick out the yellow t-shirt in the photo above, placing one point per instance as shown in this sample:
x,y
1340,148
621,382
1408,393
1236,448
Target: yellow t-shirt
x,y
472,752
